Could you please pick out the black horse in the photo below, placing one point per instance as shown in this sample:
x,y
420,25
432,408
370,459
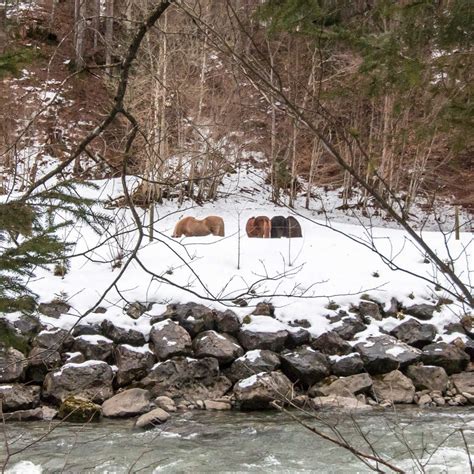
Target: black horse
x,y
293,227
279,227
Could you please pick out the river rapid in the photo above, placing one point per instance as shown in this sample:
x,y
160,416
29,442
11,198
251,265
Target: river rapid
x,y
244,442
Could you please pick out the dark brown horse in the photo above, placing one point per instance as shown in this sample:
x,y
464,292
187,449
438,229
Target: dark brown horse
x,y
293,227
191,227
279,227
259,226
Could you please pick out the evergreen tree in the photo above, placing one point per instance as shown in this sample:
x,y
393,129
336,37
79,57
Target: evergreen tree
x,y
30,238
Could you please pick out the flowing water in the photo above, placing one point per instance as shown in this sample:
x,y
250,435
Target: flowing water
x,y
244,442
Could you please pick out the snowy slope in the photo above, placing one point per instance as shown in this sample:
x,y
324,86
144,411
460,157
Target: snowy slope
x,y
300,276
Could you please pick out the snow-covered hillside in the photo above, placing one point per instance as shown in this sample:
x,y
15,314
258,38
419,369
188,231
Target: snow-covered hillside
x,y
326,271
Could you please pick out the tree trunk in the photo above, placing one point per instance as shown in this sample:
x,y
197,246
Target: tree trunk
x,y
80,30
3,28
109,32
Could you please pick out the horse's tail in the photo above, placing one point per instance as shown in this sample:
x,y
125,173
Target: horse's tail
x,y
176,230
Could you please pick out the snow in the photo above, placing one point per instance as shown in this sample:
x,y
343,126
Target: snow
x,y
395,351
141,350
95,339
249,381
251,356
333,262
71,365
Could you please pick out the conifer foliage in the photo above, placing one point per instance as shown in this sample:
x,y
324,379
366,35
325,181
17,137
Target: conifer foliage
x,y
31,233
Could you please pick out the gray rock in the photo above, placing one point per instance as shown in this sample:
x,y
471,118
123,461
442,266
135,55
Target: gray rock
x,y
451,358
34,414
87,330
94,347
464,383
272,341
169,339
19,397
132,402
258,391
12,364
349,327
73,357
40,362
264,309
346,386
341,403
382,354
331,343
297,338
394,387
304,365
133,363
428,377
421,311
227,322
54,309
137,309
91,380
217,405
350,364
121,335
221,346
369,308
192,316
152,418
165,403
27,325
186,378
414,333
253,362
56,339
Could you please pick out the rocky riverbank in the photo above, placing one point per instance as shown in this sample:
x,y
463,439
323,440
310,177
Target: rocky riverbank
x,y
194,357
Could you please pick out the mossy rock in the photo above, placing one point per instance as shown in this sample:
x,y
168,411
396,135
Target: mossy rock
x,y
79,410
11,62
9,337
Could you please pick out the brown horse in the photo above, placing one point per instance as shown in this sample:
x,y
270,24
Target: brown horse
x,y
259,226
191,227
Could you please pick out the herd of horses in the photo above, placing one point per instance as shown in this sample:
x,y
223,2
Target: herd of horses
x,y
260,226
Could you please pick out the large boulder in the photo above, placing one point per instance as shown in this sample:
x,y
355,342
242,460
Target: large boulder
x,y
345,386
414,333
304,365
94,347
19,397
263,332
87,329
54,309
227,321
40,362
56,339
394,387
464,384
122,335
79,410
451,358
382,354
370,309
428,377
253,362
33,414
221,346
10,336
297,337
331,343
133,363
187,378
194,317
12,364
169,339
91,380
345,365
258,391
339,402
132,402
27,325
153,418
421,311
349,326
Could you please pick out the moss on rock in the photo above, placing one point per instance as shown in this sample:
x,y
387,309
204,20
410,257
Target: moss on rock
x,y
79,410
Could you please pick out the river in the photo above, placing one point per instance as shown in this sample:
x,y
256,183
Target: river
x,y
243,442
